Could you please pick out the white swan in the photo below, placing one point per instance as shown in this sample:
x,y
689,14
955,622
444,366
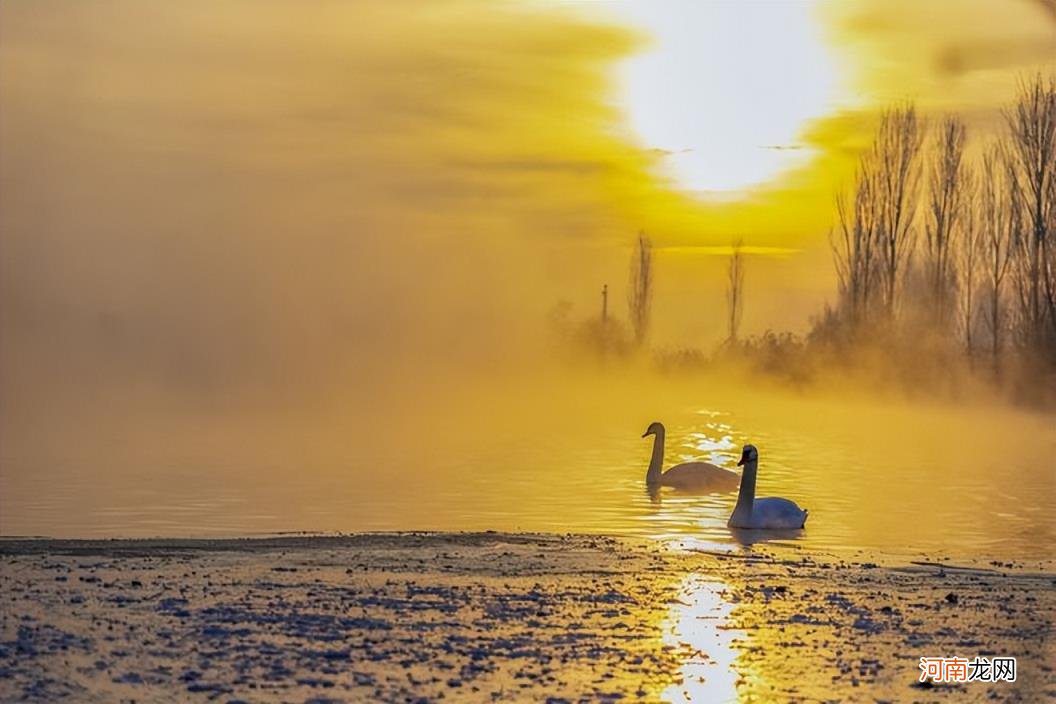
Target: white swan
x,y
689,476
767,513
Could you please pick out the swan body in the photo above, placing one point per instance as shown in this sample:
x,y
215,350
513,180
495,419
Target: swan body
x,y
697,477
769,513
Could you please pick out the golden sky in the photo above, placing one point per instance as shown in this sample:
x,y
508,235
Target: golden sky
x,y
211,199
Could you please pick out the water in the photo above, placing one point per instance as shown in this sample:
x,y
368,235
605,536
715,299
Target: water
x,y
895,477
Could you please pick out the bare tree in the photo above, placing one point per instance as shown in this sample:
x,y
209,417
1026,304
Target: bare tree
x,y
640,292
970,253
854,249
875,235
895,161
999,213
947,191
1032,128
735,290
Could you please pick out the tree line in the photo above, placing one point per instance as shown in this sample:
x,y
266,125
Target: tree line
x,y
933,243
944,248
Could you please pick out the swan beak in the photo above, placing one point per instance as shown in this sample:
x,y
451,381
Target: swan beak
x,y
740,462
646,434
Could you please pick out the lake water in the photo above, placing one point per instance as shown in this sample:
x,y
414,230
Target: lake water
x,y
892,477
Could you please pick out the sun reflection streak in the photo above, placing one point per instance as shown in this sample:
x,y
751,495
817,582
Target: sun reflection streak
x,y
698,628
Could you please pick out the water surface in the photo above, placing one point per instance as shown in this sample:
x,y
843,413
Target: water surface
x,y
899,477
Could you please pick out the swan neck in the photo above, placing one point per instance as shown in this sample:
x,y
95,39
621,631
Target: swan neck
x,y
746,495
656,463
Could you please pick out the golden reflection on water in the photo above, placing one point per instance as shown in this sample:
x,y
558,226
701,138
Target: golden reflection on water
x,y
698,628
878,476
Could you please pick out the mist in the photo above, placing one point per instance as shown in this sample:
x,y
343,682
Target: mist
x,y
236,210
212,214
317,248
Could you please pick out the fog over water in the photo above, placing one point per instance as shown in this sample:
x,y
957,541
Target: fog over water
x,y
556,453
270,267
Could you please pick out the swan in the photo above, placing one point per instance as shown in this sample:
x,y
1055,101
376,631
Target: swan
x,y
767,513
689,476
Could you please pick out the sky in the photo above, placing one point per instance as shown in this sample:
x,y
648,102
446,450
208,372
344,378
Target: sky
x,y
207,206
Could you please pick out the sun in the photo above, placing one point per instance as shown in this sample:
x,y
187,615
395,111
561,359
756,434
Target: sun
x,y
725,87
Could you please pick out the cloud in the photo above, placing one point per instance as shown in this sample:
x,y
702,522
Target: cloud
x,y
897,49
728,250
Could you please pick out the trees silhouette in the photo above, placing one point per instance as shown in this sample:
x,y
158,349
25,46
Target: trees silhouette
x,y
949,213
734,291
640,291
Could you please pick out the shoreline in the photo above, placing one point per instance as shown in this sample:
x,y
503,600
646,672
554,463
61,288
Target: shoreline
x,y
509,616
306,540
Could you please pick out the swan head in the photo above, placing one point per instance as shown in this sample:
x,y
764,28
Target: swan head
x,y
655,428
748,454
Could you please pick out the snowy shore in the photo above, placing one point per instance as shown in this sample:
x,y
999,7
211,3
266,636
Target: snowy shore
x,y
491,616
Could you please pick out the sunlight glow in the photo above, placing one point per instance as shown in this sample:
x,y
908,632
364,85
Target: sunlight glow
x,y
725,88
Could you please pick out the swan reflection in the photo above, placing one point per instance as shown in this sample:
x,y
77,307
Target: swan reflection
x,y
747,537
